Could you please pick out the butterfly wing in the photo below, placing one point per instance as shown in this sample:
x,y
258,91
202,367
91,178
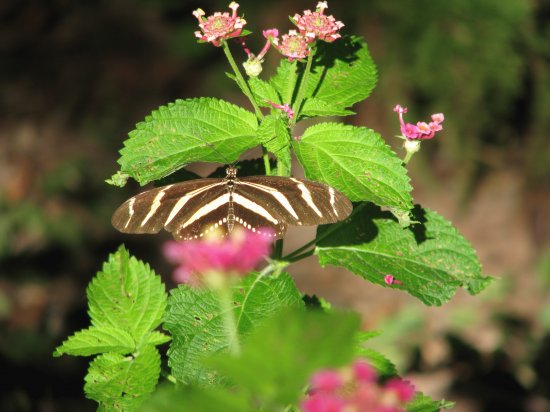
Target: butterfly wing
x,y
296,201
179,208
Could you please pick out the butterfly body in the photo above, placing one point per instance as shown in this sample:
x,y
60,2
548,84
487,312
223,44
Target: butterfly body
x,y
191,209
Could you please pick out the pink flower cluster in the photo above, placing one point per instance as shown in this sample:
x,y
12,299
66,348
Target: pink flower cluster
x,y
237,254
420,130
318,25
219,26
312,25
356,389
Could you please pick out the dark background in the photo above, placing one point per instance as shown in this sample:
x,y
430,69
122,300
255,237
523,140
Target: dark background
x,y
75,77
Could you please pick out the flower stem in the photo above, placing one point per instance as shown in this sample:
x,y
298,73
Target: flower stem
x,y
248,93
228,316
302,89
297,254
241,81
407,158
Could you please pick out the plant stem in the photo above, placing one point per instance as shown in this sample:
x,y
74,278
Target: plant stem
x,y
297,254
407,158
302,89
241,81
228,316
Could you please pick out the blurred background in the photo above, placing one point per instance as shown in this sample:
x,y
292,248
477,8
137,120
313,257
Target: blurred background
x,y
75,77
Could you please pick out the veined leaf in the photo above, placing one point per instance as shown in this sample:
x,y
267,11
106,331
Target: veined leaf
x,y
194,319
128,295
186,131
122,383
356,161
96,340
263,92
428,260
284,81
343,74
275,138
317,107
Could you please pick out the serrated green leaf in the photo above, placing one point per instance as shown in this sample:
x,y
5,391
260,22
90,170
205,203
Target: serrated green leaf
x,y
186,131
356,161
263,92
122,383
156,338
429,260
423,403
313,107
381,363
193,399
194,320
343,73
282,353
128,295
96,340
274,136
284,81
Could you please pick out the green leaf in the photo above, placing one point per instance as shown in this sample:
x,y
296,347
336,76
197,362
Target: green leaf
x,y
356,161
128,295
205,129
96,340
186,399
317,107
122,383
279,357
423,403
343,73
381,363
194,320
156,338
284,81
119,179
274,136
430,259
263,92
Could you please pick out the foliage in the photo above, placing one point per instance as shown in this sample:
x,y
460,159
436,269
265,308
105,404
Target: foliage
x,y
283,341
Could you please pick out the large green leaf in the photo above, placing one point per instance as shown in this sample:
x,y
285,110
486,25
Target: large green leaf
x,y
186,131
128,295
343,74
279,356
263,92
122,383
429,260
194,319
356,161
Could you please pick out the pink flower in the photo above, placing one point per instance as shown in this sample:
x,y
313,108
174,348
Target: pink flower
x,y
402,388
339,390
293,45
391,280
284,107
422,130
326,381
234,255
219,26
318,25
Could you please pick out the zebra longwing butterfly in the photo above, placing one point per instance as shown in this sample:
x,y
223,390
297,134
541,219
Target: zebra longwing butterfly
x,y
191,209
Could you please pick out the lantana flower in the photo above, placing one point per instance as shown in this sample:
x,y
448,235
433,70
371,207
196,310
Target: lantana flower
x,y
356,388
422,130
235,255
219,26
317,24
293,45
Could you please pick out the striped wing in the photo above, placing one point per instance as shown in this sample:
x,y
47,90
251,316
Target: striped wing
x,y
170,207
294,201
191,209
